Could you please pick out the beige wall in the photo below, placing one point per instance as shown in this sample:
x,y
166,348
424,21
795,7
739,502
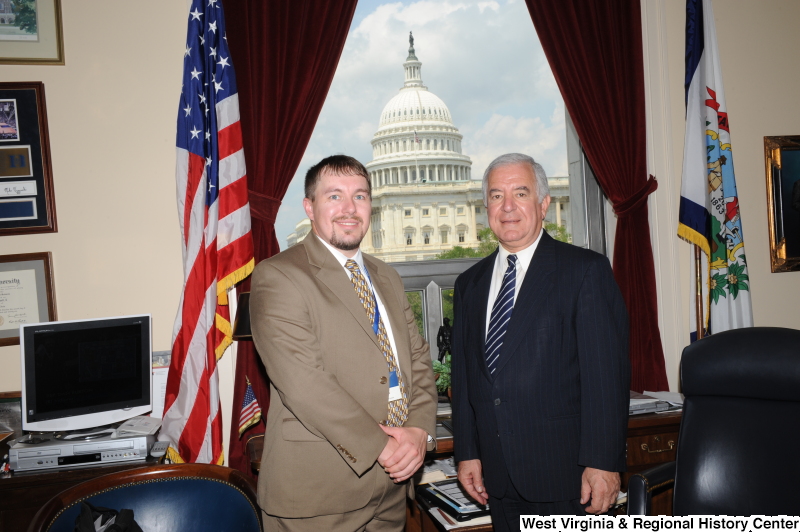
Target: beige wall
x,y
112,110
757,42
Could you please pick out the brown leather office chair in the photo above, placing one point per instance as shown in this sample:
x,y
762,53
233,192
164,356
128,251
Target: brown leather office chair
x,y
739,431
174,498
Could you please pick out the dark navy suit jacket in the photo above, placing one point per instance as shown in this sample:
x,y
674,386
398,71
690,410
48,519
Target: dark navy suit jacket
x,y
558,401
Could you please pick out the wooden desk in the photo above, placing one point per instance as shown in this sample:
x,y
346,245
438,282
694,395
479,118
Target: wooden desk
x,y
652,440
22,494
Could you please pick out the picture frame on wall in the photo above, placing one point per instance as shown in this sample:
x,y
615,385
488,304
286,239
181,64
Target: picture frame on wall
x,y
31,32
782,158
26,293
27,200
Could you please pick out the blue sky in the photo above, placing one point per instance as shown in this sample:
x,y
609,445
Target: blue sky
x,y
481,57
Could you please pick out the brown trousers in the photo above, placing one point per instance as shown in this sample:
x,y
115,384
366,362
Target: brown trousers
x,y
385,512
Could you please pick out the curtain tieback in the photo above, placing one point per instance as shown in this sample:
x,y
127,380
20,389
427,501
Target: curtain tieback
x,y
639,198
263,207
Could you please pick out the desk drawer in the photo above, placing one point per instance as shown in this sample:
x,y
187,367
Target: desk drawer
x,y
652,449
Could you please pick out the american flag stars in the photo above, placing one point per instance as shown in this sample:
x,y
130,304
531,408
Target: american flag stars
x,y
205,83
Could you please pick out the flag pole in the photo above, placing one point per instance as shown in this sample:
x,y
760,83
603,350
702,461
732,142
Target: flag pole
x,y
699,296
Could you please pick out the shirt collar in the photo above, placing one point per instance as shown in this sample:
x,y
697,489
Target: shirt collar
x,y
339,256
524,256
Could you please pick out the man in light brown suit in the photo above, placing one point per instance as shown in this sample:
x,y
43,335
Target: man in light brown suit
x,y
353,397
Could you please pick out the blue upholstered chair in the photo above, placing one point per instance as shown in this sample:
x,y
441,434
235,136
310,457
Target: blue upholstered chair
x,y
174,498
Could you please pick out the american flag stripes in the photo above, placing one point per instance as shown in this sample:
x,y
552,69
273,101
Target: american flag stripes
x,y
251,410
215,229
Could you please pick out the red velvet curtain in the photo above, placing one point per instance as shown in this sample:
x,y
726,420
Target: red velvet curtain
x,y
594,48
285,52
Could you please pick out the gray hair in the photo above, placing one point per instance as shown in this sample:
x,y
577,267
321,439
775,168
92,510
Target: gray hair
x,y
542,188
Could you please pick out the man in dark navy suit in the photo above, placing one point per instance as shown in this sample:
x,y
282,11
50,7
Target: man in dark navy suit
x,y
540,363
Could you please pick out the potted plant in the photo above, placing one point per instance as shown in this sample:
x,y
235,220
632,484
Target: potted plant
x,y
442,372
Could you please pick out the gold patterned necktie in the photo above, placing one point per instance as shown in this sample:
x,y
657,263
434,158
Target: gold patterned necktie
x,y
398,409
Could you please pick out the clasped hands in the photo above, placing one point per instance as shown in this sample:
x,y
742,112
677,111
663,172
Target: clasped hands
x,y
404,452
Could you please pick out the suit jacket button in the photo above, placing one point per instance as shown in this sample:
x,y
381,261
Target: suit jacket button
x,y
497,402
383,380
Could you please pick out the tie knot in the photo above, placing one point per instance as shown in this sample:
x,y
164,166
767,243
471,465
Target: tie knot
x,y
512,261
352,266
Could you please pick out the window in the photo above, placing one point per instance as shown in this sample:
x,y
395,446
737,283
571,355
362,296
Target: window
x,y
461,237
426,212
409,239
444,237
579,208
429,289
426,237
415,301
443,211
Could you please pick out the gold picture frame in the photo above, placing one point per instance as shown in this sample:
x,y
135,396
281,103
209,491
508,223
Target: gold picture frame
x,y
782,158
33,36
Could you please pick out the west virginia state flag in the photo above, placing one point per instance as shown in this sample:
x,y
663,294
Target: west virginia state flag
x,y
709,209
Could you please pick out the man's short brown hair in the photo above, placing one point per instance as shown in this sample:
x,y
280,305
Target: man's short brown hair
x,y
335,164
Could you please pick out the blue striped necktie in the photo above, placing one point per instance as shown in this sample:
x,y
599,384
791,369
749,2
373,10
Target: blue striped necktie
x,y
501,314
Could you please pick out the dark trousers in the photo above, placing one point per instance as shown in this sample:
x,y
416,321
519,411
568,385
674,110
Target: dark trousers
x,y
507,509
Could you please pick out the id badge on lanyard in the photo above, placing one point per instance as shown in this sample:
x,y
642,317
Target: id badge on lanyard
x,y
395,393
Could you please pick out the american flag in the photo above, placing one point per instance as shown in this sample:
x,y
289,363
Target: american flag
x,y
417,139
215,229
251,411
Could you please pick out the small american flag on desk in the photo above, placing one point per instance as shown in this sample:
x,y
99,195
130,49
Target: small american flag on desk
x,y
251,410
215,228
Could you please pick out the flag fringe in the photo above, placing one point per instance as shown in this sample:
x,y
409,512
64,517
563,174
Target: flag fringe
x,y
228,282
689,234
223,326
255,419
175,457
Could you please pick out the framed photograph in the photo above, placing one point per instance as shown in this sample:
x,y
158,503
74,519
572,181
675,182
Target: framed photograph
x,y
27,202
26,293
30,32
782,157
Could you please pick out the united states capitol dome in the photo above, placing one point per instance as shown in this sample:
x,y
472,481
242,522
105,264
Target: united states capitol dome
x,y
416,140
415,105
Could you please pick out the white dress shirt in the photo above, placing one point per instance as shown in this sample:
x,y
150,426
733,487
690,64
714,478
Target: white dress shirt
x,y
500,265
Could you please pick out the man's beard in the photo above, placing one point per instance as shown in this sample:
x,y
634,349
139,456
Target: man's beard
x,y
338,243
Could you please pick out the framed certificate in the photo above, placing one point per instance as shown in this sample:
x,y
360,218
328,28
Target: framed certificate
x,y
26,293
27,203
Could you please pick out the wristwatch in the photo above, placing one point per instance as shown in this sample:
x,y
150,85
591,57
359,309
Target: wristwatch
x,y
431,443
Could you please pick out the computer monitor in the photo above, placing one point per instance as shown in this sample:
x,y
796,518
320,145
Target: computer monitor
x,y
85,373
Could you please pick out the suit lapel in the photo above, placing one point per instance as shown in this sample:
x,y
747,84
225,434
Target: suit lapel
x,y
537,285
335,278
479,300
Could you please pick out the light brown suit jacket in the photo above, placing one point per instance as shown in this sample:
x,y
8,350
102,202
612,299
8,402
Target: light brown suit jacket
x,y
329,379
